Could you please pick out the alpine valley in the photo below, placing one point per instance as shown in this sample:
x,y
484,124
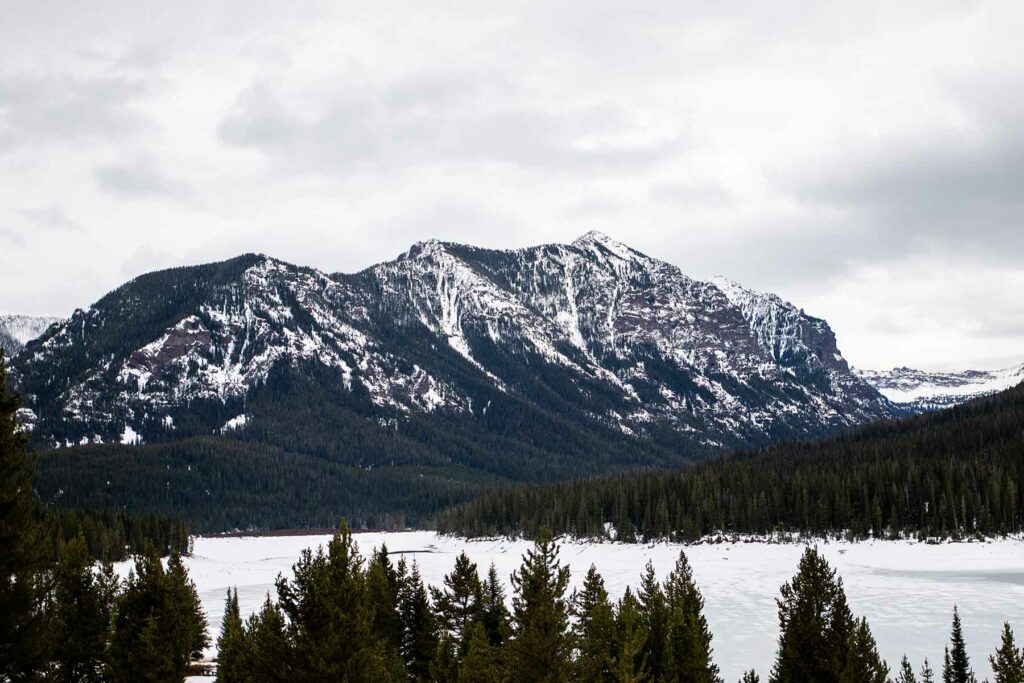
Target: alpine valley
x,y
417,382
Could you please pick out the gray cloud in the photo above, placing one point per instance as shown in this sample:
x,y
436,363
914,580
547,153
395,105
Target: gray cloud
x,y
406,126
58,108
52,217
139,177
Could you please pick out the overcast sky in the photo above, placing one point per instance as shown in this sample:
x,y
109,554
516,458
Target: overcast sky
x,y
863,160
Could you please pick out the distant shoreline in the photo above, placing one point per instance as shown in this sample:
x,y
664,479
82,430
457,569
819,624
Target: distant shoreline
x,y
297,532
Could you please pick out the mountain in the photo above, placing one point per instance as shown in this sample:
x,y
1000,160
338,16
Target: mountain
x,y
918,391
18,330
535,364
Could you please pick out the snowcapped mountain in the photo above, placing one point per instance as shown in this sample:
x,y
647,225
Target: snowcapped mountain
x,y
555,352
18,330
918,390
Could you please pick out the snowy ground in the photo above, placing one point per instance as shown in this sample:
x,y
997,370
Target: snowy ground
x,y
906,590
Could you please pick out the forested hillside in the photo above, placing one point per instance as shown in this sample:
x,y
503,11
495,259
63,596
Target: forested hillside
x,y
953,473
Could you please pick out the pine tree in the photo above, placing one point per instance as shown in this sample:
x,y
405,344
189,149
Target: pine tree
x,y
629,664
269,654
482,663
419,628
80,614
863,663
158,624
231,645
459,603
382,593
815,625
1008,661
444,667
750,677
957,666
494,611
906,674
927,673
593,630
540,647
654,617
689,638
24,637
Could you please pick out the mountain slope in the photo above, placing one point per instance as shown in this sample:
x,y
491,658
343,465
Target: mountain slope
x,y
918,391
534,364
18,330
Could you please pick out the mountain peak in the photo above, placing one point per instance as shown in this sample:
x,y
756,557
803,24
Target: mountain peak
x,y
597,240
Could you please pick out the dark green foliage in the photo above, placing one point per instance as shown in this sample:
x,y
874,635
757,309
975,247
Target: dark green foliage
x,y
540,649
482,663
268,653
112,536
593,630
232,649
158,623
906,674
927,673
1008,661
954,473
383,589
23,636
459,603
495,616
419,627
816,627
654,618
750,677
956,667
863,663
629,664
689,638
80,615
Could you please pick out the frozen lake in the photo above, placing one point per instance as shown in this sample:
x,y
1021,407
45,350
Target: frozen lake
x,y
906,590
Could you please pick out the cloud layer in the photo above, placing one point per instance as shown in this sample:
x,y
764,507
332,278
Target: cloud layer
x,y
864,160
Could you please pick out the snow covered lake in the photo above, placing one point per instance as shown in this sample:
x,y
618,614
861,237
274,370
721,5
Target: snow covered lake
x,y
906,590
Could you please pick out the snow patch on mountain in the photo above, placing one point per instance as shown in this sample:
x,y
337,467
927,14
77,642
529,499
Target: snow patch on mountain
x,y
921,390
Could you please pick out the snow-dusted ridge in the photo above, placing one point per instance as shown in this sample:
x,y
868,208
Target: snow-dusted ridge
x,y
616,335
920,390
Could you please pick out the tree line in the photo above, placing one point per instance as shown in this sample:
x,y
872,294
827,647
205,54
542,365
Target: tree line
x,y
345,618
956,473
113,536
65,619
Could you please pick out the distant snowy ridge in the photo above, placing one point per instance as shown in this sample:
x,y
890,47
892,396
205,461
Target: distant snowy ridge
x,y
921,390
18,330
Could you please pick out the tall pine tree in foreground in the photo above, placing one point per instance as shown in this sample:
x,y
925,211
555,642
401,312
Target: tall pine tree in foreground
x,y
654,617
1008,661
23,633
268,653
231,646
459,603
629,663
540,648
906,674
815,624
689,638
593,630
956,667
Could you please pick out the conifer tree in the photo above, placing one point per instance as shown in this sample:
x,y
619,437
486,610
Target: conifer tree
x,y
957,665
540,648
494,611
268,654
654,617
863,663
593,630
689,638
158,624
815,625
23,631
906,674
419,628
927,673
750,677
629,664
80,615
231,646
482,663
1008,661
459,603
383,585
444,667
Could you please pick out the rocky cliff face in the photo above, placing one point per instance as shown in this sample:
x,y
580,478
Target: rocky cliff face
x,y
18,330
591,333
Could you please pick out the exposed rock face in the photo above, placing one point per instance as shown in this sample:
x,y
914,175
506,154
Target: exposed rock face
x,y
18,330
592,331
